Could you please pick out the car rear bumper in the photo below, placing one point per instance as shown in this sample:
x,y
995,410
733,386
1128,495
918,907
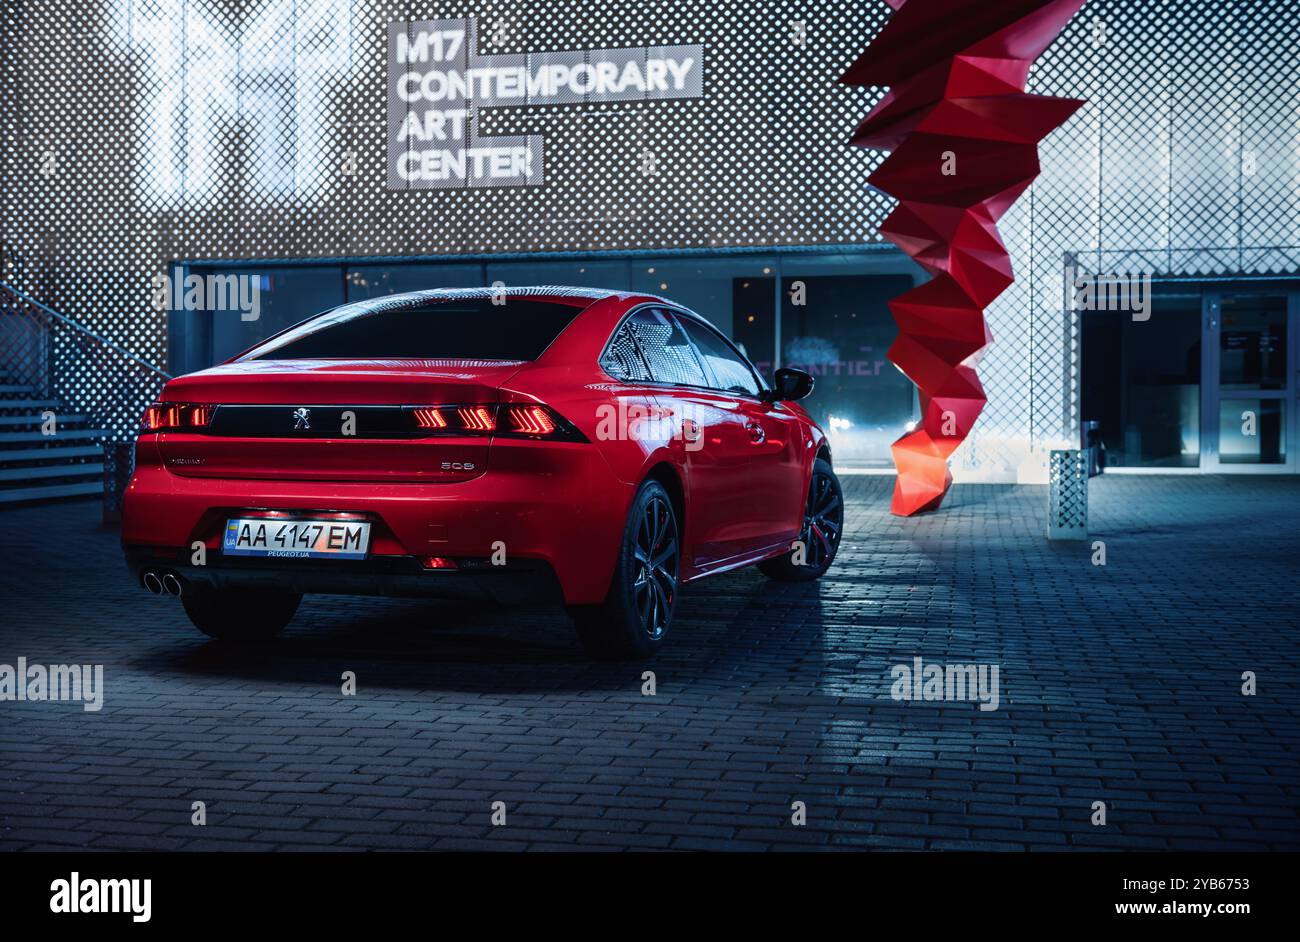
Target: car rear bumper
x,y
554,514
525,581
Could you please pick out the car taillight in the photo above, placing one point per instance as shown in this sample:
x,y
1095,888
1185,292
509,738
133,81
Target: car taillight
x,y
430,418
176,416
477,418
513,420
530,420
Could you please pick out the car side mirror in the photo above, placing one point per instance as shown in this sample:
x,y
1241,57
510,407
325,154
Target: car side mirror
x,y
790,385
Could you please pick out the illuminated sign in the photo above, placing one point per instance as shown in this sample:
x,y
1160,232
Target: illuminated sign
x,y
202,72
437,82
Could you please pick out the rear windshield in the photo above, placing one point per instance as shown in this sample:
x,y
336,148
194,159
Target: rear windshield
x,y
519,329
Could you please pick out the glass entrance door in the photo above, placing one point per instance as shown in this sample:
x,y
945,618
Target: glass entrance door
x,y
839,329
1249,417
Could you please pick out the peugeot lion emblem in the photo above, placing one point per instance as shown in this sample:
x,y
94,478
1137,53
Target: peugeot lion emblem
x,y
301,419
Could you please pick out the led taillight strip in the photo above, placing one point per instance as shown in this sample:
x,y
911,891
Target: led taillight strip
x,y
176,416
519,420
477,418
530,420
430,418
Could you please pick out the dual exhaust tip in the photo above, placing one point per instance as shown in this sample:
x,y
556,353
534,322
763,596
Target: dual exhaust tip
x,y
165,583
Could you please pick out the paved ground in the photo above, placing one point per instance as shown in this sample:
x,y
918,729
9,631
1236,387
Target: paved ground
x,y
1119,684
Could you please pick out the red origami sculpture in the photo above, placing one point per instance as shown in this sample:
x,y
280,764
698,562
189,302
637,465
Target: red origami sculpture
x,y
964,139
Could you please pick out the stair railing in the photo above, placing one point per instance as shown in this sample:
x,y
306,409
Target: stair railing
x,y
65,360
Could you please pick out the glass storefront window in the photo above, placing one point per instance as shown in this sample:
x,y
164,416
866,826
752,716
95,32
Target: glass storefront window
x,y
839,329
287,294
1142,382
379,279
1252,431
753,321
1252,343
826,314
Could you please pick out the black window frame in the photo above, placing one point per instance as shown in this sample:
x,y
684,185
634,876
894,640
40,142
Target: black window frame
x,y
677,312
669,312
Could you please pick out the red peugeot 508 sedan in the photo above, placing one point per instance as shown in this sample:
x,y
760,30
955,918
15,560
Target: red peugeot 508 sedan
x,y
595,448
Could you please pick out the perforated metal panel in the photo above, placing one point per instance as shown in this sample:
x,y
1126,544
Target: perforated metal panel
x,y
1183,163
137,132
1067,517
143,131
119,465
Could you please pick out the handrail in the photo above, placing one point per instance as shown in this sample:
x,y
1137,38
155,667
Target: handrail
x,y
82,328
85,373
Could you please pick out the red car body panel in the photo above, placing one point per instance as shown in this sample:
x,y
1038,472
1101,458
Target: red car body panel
x,y
563,503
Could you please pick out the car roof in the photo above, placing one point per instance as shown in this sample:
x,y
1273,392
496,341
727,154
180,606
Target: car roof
x,y
579,297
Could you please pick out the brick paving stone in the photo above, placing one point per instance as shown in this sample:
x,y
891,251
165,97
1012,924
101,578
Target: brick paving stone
x,y
1118,684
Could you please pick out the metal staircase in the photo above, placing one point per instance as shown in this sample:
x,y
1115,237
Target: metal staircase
x,y
39,466
65,395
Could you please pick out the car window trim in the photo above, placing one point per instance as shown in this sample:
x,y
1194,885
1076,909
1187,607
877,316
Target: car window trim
x,y
710,381
600,360
645,360
710,378
705,324
676,310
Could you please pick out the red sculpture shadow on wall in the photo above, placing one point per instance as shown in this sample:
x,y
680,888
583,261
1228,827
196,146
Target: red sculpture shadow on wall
x,y
964,139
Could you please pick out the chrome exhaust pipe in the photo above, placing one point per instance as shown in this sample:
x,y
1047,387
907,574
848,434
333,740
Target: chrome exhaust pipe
x,y
172,585
152,582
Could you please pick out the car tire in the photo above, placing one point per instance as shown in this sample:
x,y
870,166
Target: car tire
x,y
634,619
239,614
823,526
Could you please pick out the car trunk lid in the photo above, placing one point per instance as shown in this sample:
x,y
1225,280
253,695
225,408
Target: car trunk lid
x,y
322,420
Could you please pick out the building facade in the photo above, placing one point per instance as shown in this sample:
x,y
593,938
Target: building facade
x,y
179,138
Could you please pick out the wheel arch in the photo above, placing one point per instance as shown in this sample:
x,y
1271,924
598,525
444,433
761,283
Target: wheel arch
x,y
824,452
666,474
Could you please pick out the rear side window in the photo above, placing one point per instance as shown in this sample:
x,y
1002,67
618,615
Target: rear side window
x,y
729,370
473,329
668,352
621,360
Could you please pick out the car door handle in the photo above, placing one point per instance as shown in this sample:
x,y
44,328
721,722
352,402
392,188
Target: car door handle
x,y
756,433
